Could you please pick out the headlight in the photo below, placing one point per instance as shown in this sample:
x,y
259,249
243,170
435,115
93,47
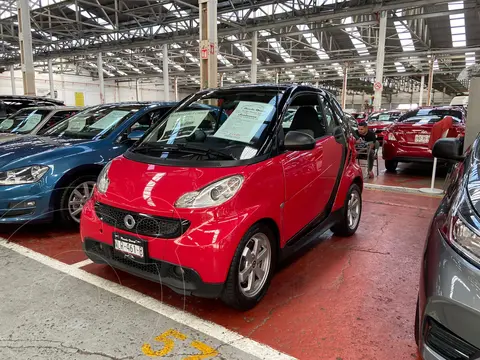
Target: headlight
x,y
211,195
26,175
103,181
391,137
462,229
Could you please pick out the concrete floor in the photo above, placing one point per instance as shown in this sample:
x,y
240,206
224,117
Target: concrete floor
x,y
340,299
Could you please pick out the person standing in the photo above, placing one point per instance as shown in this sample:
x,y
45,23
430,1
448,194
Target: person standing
x,y
366,139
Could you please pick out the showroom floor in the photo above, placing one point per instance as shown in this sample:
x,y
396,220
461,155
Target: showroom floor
x,y
341,299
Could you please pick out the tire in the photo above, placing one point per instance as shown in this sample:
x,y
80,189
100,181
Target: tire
x,y
417,324
234,294
66,196
345,227
391,165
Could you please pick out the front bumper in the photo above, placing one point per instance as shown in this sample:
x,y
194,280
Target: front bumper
x,y
205,250
25,203
449,302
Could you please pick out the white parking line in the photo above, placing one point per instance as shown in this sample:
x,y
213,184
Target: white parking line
x,y
211,329
83,263
398,189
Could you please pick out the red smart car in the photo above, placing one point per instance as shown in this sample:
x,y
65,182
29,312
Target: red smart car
x,y
407,139
208,207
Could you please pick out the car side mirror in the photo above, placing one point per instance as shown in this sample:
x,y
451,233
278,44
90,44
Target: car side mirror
x,y
135,135
448,149
298,140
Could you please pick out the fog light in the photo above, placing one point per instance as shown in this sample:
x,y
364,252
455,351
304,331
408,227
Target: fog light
x,y
177,270
22,204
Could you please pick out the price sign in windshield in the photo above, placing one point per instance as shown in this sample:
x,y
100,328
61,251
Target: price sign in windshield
x,y
183,123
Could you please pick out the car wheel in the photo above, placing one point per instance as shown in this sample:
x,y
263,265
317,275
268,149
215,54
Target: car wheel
x,y
252,268
351,213
74,197
391,165
417,324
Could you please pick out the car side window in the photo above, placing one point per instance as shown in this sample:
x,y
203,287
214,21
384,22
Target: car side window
x,y
337,109
330,121
145,121
305,114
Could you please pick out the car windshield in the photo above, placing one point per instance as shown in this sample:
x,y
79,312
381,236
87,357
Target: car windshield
x,y
99,120
23,121
429,116
236,132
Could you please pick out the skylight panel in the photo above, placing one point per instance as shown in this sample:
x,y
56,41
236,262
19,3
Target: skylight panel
x,y
277,47
96,67
400,67
242,48
403,34
359,45
313,42
470,58
87,14
338,68
457,24
224,60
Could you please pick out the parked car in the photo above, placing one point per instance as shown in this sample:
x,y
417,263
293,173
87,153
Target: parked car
x,y
448,309
380,121
407,139
10,104
54,174
34,120
212,214
360,116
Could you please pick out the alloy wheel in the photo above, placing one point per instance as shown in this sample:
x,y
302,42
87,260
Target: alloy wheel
x,y
353,210
78,197
255,264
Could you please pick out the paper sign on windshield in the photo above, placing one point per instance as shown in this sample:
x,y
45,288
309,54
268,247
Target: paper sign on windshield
x,y
245,121
6,124
384,117
183,123
76,124
31,121
108,120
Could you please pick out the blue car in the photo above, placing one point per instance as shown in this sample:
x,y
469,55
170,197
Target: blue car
x,y
54,174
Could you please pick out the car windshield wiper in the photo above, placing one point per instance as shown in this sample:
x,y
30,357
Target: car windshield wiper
x,y
184,149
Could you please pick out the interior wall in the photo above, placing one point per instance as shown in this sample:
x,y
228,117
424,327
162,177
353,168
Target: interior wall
x,y
67,85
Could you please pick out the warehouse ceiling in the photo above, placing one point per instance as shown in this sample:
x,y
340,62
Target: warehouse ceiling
x,y
300,40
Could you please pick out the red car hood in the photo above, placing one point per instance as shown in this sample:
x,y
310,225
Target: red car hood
x,y
154,189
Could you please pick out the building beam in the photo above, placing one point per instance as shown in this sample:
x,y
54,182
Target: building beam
x,y
26,51
166,85
253,70
12,80
100,78
380,60
208,43
50,79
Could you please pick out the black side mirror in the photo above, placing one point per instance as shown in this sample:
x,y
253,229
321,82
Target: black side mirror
x,y
299,140
448,149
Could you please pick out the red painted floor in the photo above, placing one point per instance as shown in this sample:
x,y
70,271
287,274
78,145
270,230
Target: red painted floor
x,y
414,175
340,299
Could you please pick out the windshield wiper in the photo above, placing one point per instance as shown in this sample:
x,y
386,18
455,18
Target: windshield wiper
x,y
183,148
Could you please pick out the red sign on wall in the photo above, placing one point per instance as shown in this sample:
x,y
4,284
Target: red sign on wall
x,y
204,53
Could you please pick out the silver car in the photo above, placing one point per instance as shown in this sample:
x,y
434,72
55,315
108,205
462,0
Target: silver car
x,y
34,120
447,322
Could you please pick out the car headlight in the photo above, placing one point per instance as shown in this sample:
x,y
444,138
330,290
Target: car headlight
x,y
211,195
25,175
103,181
391,137
462,228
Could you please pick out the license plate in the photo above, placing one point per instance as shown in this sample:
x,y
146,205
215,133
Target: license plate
x,y
422,139
129,245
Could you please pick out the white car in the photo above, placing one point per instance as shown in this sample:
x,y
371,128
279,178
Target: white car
x,y
34,120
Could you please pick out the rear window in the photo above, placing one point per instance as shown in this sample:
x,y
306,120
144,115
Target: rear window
x,y
430,115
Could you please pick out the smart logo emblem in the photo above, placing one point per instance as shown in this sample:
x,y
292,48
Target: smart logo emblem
x,y
129,222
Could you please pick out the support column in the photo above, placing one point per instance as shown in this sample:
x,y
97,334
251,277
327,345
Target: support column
x,y
222,75
422,85
12,79
175,86
253,71
443,95
377,104
166,85
50,79
208,43
430,82
26,53
344,86
137,89
276,77
100,78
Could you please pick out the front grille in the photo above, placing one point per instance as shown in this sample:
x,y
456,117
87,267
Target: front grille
x,y
447,344
152,268
147,225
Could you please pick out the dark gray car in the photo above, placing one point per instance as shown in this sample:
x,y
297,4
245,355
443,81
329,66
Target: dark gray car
x,y
448,311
